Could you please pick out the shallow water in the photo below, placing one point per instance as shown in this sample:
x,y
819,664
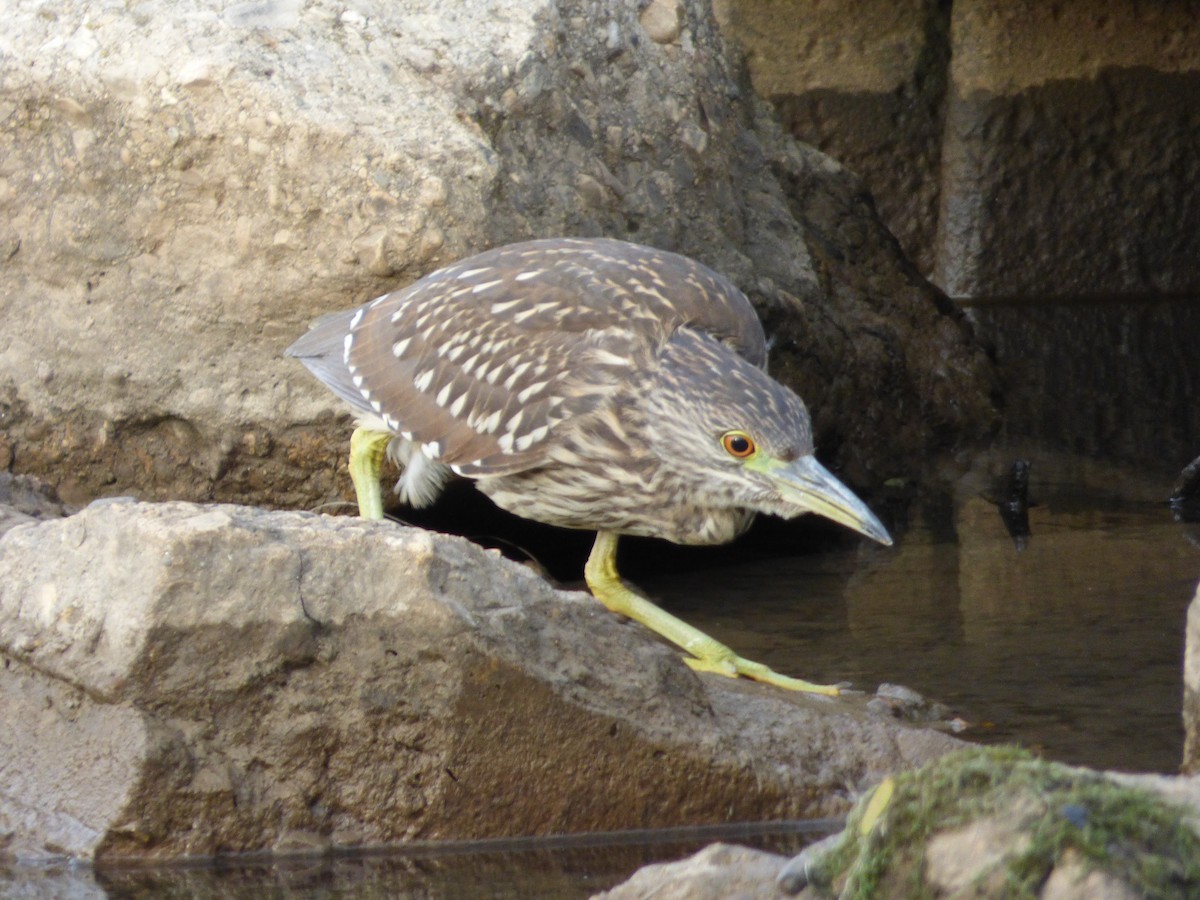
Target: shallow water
x,y
1071,645
553,869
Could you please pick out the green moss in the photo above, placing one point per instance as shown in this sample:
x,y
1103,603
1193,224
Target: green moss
x,y
1131,834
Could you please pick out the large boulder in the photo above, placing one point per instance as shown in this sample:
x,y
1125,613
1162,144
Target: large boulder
x,y
182,679
184,187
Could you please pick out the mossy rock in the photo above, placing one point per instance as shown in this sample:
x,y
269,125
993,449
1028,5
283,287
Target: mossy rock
x,y
1000,822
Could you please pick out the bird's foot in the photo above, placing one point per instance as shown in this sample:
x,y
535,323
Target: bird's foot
x,y
733,666
707,653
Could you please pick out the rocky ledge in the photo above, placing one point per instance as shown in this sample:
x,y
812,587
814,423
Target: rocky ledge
x,y
184,679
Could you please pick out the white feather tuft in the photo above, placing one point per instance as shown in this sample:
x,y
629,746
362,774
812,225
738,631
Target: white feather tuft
x,y
422,478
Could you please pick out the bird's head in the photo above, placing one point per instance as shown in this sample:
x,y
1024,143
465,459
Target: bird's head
x,y
741,439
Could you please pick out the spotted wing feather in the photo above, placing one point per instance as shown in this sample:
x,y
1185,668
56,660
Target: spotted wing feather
x,y
482,361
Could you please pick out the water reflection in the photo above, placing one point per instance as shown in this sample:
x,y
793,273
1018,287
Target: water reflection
x,y
548,869
1072,645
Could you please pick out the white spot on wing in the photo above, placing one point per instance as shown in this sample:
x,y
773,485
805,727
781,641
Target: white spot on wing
x,y
400,346
535,310
471,273
356,318
525,276
605,358
535,388
422,381
504,306
479,288
516,373
443,396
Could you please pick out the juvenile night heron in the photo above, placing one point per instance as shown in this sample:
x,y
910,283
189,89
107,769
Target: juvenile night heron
x,y
590,384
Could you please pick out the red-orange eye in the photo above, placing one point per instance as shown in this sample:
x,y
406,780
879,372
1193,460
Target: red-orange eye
x,y
738,444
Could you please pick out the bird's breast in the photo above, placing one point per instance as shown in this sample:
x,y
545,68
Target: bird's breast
x,y
566,498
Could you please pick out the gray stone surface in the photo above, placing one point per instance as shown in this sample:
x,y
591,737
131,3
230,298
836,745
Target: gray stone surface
x,y
718,872
1191,688
184,187
25,499
198,679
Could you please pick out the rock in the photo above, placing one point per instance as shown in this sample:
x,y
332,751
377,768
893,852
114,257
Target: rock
x,y
1073,880
191,680
1191,689
975,122
184,188
865,83
1039,99
973,854
998,822
663,20
25,499
717,872
976,823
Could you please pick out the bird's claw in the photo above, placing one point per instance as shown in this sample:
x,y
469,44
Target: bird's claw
x,y
734,666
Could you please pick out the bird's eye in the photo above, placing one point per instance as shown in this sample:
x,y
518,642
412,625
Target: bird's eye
x,y
738,444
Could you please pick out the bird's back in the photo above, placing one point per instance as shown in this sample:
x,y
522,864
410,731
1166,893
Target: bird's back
x,y
481,361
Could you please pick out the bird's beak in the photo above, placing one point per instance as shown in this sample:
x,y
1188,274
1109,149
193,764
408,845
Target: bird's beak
x,y
808,484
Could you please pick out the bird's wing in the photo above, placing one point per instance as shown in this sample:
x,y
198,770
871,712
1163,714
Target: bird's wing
x,y
614,283
483,360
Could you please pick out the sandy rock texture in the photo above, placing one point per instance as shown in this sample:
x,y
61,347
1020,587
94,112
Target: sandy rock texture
x,y
184,187
717,872
24,499
188,680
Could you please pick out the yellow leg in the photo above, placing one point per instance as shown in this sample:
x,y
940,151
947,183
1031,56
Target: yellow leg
x,y
367,449
709,654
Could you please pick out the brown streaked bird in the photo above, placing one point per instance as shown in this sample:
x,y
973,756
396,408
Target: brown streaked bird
x,y
586,383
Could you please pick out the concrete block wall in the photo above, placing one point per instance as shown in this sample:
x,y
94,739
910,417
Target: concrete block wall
x,y
1016,148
